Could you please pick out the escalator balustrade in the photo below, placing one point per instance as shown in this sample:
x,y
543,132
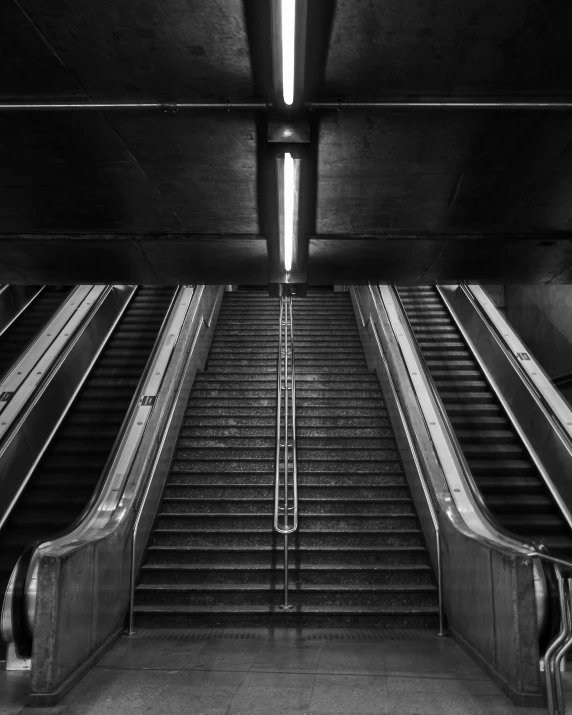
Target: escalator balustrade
x,y
66,475
512,488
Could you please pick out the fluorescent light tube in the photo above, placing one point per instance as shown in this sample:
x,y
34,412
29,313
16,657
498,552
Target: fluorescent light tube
x,y
288,211
288,35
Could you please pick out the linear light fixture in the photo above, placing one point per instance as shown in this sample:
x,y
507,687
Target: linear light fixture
x,y
288,31
288,189
288,211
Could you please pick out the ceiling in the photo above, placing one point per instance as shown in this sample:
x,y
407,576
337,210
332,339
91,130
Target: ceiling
x,y
409,195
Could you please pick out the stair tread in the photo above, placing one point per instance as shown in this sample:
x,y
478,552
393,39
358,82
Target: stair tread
x,y
382,588
298,608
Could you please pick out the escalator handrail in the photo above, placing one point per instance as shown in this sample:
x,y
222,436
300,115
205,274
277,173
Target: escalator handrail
x,y
15,382
557,420
22,634
485,512
548,481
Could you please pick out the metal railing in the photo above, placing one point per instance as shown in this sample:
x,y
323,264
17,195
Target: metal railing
x,y
285,399
557,649
422,477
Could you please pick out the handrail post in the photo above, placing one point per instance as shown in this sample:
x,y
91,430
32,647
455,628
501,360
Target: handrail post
x,y
131,631
439,580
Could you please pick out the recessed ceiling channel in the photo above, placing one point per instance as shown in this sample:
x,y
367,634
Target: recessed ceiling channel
x,y
292,139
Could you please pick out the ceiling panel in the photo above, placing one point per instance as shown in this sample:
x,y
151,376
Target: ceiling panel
x,y
72,173
78,172
449,46
203,165
454,172
28,67
186,49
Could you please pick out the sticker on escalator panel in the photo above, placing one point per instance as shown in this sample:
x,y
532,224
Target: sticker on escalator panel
x,y
6,396
148,400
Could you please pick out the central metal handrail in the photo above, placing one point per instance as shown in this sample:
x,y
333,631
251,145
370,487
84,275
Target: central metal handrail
x,y
285,398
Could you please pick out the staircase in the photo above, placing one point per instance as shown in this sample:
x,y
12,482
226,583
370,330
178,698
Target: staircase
x,y
359,558
511,486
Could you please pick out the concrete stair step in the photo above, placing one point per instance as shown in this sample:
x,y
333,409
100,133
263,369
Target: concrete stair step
x,y
309,507
273,617
315,467
304,595
339,444
271,556
316,479
175,519
266,491
326,574
243,453
392,536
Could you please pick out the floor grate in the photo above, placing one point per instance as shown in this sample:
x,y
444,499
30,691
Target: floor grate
x,y
270,634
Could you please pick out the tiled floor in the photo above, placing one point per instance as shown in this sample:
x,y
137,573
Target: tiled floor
x,y
283,674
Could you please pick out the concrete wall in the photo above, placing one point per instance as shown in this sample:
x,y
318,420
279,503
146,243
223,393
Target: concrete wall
x,y
542,315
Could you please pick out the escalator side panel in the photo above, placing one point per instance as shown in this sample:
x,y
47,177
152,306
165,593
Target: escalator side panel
x,y
488,587
100,594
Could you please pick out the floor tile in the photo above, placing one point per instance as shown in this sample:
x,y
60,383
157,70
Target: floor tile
x,y
448,663
352,658
454,686
203,694
363,694
501,705
14,688
121,695
295,657
229,655
153,654
276,693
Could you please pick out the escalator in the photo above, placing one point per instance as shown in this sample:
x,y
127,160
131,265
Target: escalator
x,y
359,557
66,475
512,488
29,323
